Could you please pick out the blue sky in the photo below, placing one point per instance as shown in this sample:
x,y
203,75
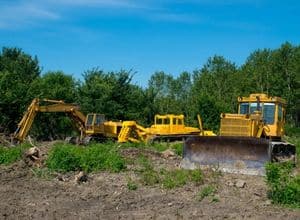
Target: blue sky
x,y
146,36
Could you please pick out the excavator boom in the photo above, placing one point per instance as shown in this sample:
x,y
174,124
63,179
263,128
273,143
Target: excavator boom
x,y
71,110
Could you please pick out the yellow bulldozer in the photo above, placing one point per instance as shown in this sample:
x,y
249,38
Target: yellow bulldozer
x,y
168,127
95,126
246,140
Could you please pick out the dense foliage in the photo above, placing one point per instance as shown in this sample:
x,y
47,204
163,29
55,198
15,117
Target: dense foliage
x,y
11,154
64,158
284,187
209,90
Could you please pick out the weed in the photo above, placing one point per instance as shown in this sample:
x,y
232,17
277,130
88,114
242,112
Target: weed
x,y
174,178
215,199
95,157
43,173
131,185
178,147
205,192
283,187
9,155
196,176
148,175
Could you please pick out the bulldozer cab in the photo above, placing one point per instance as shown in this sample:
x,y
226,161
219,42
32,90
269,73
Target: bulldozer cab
x,y
272,110
166,124
95,123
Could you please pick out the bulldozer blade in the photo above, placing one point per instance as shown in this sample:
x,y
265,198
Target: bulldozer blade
x,y
243,155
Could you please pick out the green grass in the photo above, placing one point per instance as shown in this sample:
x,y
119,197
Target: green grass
x,y
131,185
284,188
167,179
43,173
66,157
293,136
207,191
9,155
159,147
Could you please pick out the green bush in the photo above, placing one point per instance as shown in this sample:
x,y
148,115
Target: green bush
x,y
11,154
95,157
283,187
292,131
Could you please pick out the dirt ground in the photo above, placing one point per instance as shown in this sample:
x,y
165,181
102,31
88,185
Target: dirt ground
x,y
106,196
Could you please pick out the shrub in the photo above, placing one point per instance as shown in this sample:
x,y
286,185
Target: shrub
x,y
95,157
64,158
11,154
283,187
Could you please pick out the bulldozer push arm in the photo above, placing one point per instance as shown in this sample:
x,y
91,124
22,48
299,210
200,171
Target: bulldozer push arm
x,y
71,110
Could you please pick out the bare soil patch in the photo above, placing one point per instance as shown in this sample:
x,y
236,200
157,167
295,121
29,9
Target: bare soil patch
x,y
106,195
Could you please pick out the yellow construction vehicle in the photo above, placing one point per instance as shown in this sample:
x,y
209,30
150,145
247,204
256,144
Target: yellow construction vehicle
x,y
166,127
95,126
91,126
247,140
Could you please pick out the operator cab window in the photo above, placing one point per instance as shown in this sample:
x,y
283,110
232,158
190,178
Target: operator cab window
x,y
166,121
180,122
159,121
244,108
99,119
253,107
89,121
269,113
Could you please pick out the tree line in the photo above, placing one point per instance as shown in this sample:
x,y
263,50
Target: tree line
x,y
208,90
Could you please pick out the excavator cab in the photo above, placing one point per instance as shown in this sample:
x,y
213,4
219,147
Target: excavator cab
x,y
94,124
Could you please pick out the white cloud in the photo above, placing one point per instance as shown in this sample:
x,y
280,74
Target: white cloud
x,y
99,3
24,13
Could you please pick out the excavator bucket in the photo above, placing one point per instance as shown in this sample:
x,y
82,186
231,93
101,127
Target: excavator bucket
x,y
244,155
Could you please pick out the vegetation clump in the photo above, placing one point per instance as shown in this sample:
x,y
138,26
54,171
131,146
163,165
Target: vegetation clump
x,y
206,192
284,188
65,157
168,179
9,155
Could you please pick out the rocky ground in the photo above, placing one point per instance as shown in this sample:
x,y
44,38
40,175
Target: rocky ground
x,y
26,194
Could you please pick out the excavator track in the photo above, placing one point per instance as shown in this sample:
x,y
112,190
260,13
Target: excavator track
x,y
245,155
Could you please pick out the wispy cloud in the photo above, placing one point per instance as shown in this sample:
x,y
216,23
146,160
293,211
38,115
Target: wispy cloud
x,y
97,3
18,14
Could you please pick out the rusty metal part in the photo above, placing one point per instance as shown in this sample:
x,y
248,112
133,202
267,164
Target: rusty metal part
x,y
230,154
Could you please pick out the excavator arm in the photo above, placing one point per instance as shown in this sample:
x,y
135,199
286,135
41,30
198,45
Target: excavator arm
x,y
71,110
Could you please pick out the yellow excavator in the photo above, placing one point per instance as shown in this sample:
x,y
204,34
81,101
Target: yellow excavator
x,y
246,140
94,126
89,125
